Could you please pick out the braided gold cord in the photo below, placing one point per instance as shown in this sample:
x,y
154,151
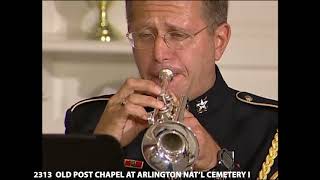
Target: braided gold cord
x,y
274,176
273,152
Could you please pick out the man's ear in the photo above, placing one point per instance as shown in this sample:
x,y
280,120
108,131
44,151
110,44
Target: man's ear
x,y
221,38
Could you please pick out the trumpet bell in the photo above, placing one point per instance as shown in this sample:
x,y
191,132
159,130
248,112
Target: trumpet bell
x,y
170,146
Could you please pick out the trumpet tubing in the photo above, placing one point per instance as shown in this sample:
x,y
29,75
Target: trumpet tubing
x,y
169,145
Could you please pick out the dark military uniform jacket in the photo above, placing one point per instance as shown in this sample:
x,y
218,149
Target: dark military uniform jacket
x,y
238,121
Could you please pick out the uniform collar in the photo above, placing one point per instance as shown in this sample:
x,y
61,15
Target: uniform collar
x,y
213,99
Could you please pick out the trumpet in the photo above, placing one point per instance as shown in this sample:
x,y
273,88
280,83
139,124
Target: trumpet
x,y
169,145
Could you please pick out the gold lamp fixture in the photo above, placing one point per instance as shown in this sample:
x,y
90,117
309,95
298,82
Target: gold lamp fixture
x,y
104,32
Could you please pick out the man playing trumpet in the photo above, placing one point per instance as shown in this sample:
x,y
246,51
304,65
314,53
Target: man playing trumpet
x,y
188,37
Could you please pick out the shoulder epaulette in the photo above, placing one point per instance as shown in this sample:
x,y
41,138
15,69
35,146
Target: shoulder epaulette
x,y
93,99
255,100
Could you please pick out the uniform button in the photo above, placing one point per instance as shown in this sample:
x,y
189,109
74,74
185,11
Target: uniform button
x,y
248,98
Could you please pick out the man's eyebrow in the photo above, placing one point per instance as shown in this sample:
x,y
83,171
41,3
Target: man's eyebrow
x,y
150,25
175,27
143,25
144,28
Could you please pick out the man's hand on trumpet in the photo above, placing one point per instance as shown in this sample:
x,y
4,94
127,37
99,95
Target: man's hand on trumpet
x,y
208,148
125,116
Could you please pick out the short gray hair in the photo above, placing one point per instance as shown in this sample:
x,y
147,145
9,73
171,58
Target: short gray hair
x,y
215,12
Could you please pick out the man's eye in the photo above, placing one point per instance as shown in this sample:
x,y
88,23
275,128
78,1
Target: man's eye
x,y
178,36
145,35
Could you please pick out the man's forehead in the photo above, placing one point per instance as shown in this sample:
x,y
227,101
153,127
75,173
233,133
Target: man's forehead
x,y
163,3
165,6
177,11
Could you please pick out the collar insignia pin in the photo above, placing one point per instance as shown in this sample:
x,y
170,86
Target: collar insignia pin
x,y
202,105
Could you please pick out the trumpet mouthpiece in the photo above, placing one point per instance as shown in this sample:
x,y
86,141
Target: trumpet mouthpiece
x,y
166,74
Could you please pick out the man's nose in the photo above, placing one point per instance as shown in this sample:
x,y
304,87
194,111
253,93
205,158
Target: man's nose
x,y
161,49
